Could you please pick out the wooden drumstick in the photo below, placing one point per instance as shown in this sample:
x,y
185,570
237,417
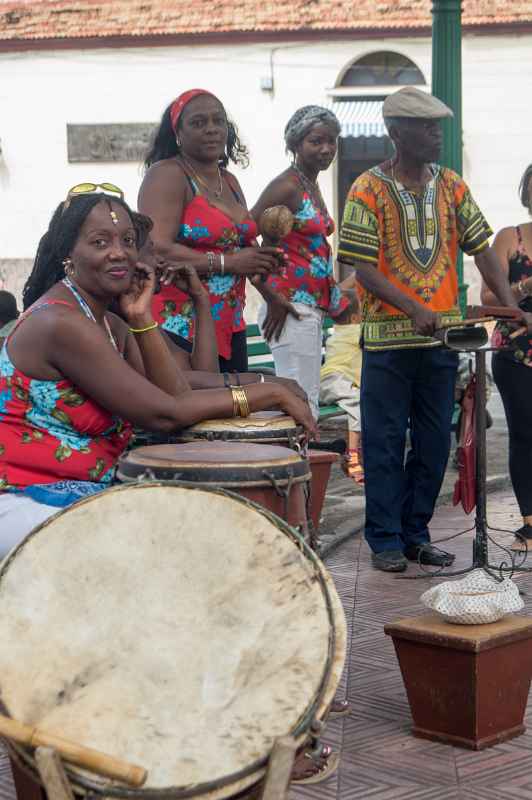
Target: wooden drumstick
x,y
75,753
518,332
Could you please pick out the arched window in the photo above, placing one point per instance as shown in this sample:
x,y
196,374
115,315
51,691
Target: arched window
x,y
384,68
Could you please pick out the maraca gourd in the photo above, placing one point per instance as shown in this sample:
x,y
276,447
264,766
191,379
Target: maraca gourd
x,y
276,222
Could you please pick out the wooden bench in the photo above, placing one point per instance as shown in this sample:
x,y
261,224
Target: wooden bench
x,y
261,360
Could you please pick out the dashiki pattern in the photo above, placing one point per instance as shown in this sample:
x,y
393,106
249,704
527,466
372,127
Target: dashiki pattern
x,y
51,432
413,240
206,227
308,276
520,268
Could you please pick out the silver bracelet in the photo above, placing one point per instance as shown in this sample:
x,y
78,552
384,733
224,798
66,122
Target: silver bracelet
x,y
210,261
222,263
522,291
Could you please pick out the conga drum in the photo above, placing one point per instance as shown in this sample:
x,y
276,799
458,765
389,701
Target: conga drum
x,y
261,427
180,629
275,477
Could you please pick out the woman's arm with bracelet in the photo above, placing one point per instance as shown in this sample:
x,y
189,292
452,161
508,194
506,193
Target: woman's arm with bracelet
x,y
146,349
504,244
163,197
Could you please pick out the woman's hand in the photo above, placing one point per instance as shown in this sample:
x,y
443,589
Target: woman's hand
x,y
135,304
185,278
288,383
274,322
256,261
300,411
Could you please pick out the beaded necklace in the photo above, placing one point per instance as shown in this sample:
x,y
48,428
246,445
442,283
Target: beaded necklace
x,y
312,187
87,310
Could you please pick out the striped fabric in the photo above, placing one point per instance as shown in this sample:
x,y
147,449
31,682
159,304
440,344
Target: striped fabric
x,y
359,117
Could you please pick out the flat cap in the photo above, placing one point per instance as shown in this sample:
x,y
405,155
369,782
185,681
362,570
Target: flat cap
x,y
411,102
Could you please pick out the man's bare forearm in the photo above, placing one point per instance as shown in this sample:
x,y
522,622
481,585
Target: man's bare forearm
x,y
376,284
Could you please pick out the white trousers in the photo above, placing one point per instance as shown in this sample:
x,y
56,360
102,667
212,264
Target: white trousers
x,y
297,354
336,388
18,516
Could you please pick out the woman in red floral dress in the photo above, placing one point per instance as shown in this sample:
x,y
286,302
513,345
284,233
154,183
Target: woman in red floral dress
x,y
74,377
298,298
200,217
512,368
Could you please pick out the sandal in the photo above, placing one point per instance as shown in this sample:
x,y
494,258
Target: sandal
x,y
339,708
310,767
353,466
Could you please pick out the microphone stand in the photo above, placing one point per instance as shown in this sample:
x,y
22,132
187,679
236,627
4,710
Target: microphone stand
x,y
474,339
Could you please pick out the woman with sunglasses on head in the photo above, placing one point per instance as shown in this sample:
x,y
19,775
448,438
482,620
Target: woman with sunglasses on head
x,y
297,300
200,217
74,377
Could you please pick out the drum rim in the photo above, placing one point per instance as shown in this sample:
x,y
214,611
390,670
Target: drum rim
x,y
302,728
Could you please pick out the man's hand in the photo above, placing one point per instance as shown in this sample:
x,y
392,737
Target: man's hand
x,y
424,320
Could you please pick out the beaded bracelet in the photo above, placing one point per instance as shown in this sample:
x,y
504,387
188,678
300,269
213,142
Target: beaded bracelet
x,y
147,328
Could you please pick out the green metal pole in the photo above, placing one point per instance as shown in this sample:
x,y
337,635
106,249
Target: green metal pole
x,y
447,85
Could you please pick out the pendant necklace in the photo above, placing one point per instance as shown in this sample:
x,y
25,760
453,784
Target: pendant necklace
x,y
216,193
312,187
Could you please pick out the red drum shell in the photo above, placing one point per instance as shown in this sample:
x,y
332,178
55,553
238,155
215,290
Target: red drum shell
x,y
275,477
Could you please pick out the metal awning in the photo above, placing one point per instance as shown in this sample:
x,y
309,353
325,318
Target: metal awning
x,y
359,117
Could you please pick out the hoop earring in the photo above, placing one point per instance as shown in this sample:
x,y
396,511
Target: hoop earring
x,y
68,266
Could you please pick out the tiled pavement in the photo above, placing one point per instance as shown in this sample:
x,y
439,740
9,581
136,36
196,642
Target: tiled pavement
x,y
380,760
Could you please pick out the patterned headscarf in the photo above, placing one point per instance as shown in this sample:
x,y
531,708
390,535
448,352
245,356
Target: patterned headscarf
x,y
304,119
176,109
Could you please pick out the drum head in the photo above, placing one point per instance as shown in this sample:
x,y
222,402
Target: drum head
x,y
231,464
257,427
179,629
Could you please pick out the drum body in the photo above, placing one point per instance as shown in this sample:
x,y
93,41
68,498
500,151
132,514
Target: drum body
x,y
274,477
261,427
180,629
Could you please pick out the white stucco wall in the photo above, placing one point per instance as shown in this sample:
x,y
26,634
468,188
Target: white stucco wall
x,y
40,92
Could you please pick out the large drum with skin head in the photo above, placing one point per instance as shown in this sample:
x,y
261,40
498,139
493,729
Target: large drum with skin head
x,y
260,427
275,477
180,629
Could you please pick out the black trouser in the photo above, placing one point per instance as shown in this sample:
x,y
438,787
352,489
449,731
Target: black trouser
x,y
239,353
398,388
514,382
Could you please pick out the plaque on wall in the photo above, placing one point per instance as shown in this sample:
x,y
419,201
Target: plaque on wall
x,y
114,142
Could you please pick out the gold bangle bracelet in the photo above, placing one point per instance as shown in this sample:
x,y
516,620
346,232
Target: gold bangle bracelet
x,y
240,402
235,401
147,328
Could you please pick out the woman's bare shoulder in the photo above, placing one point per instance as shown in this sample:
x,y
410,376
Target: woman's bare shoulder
x,y
168,172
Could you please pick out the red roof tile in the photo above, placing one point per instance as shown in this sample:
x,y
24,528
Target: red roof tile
x,y
75,19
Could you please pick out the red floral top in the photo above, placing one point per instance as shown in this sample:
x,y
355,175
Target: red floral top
x,y
50,431
520,268
308,277
205,227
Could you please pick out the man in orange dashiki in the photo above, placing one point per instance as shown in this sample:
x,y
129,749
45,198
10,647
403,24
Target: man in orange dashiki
x,y
403,224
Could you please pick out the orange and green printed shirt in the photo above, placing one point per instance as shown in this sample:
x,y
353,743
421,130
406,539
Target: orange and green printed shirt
x,y
412,240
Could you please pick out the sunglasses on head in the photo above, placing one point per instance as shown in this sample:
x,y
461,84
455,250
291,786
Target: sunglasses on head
x,y
90,188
